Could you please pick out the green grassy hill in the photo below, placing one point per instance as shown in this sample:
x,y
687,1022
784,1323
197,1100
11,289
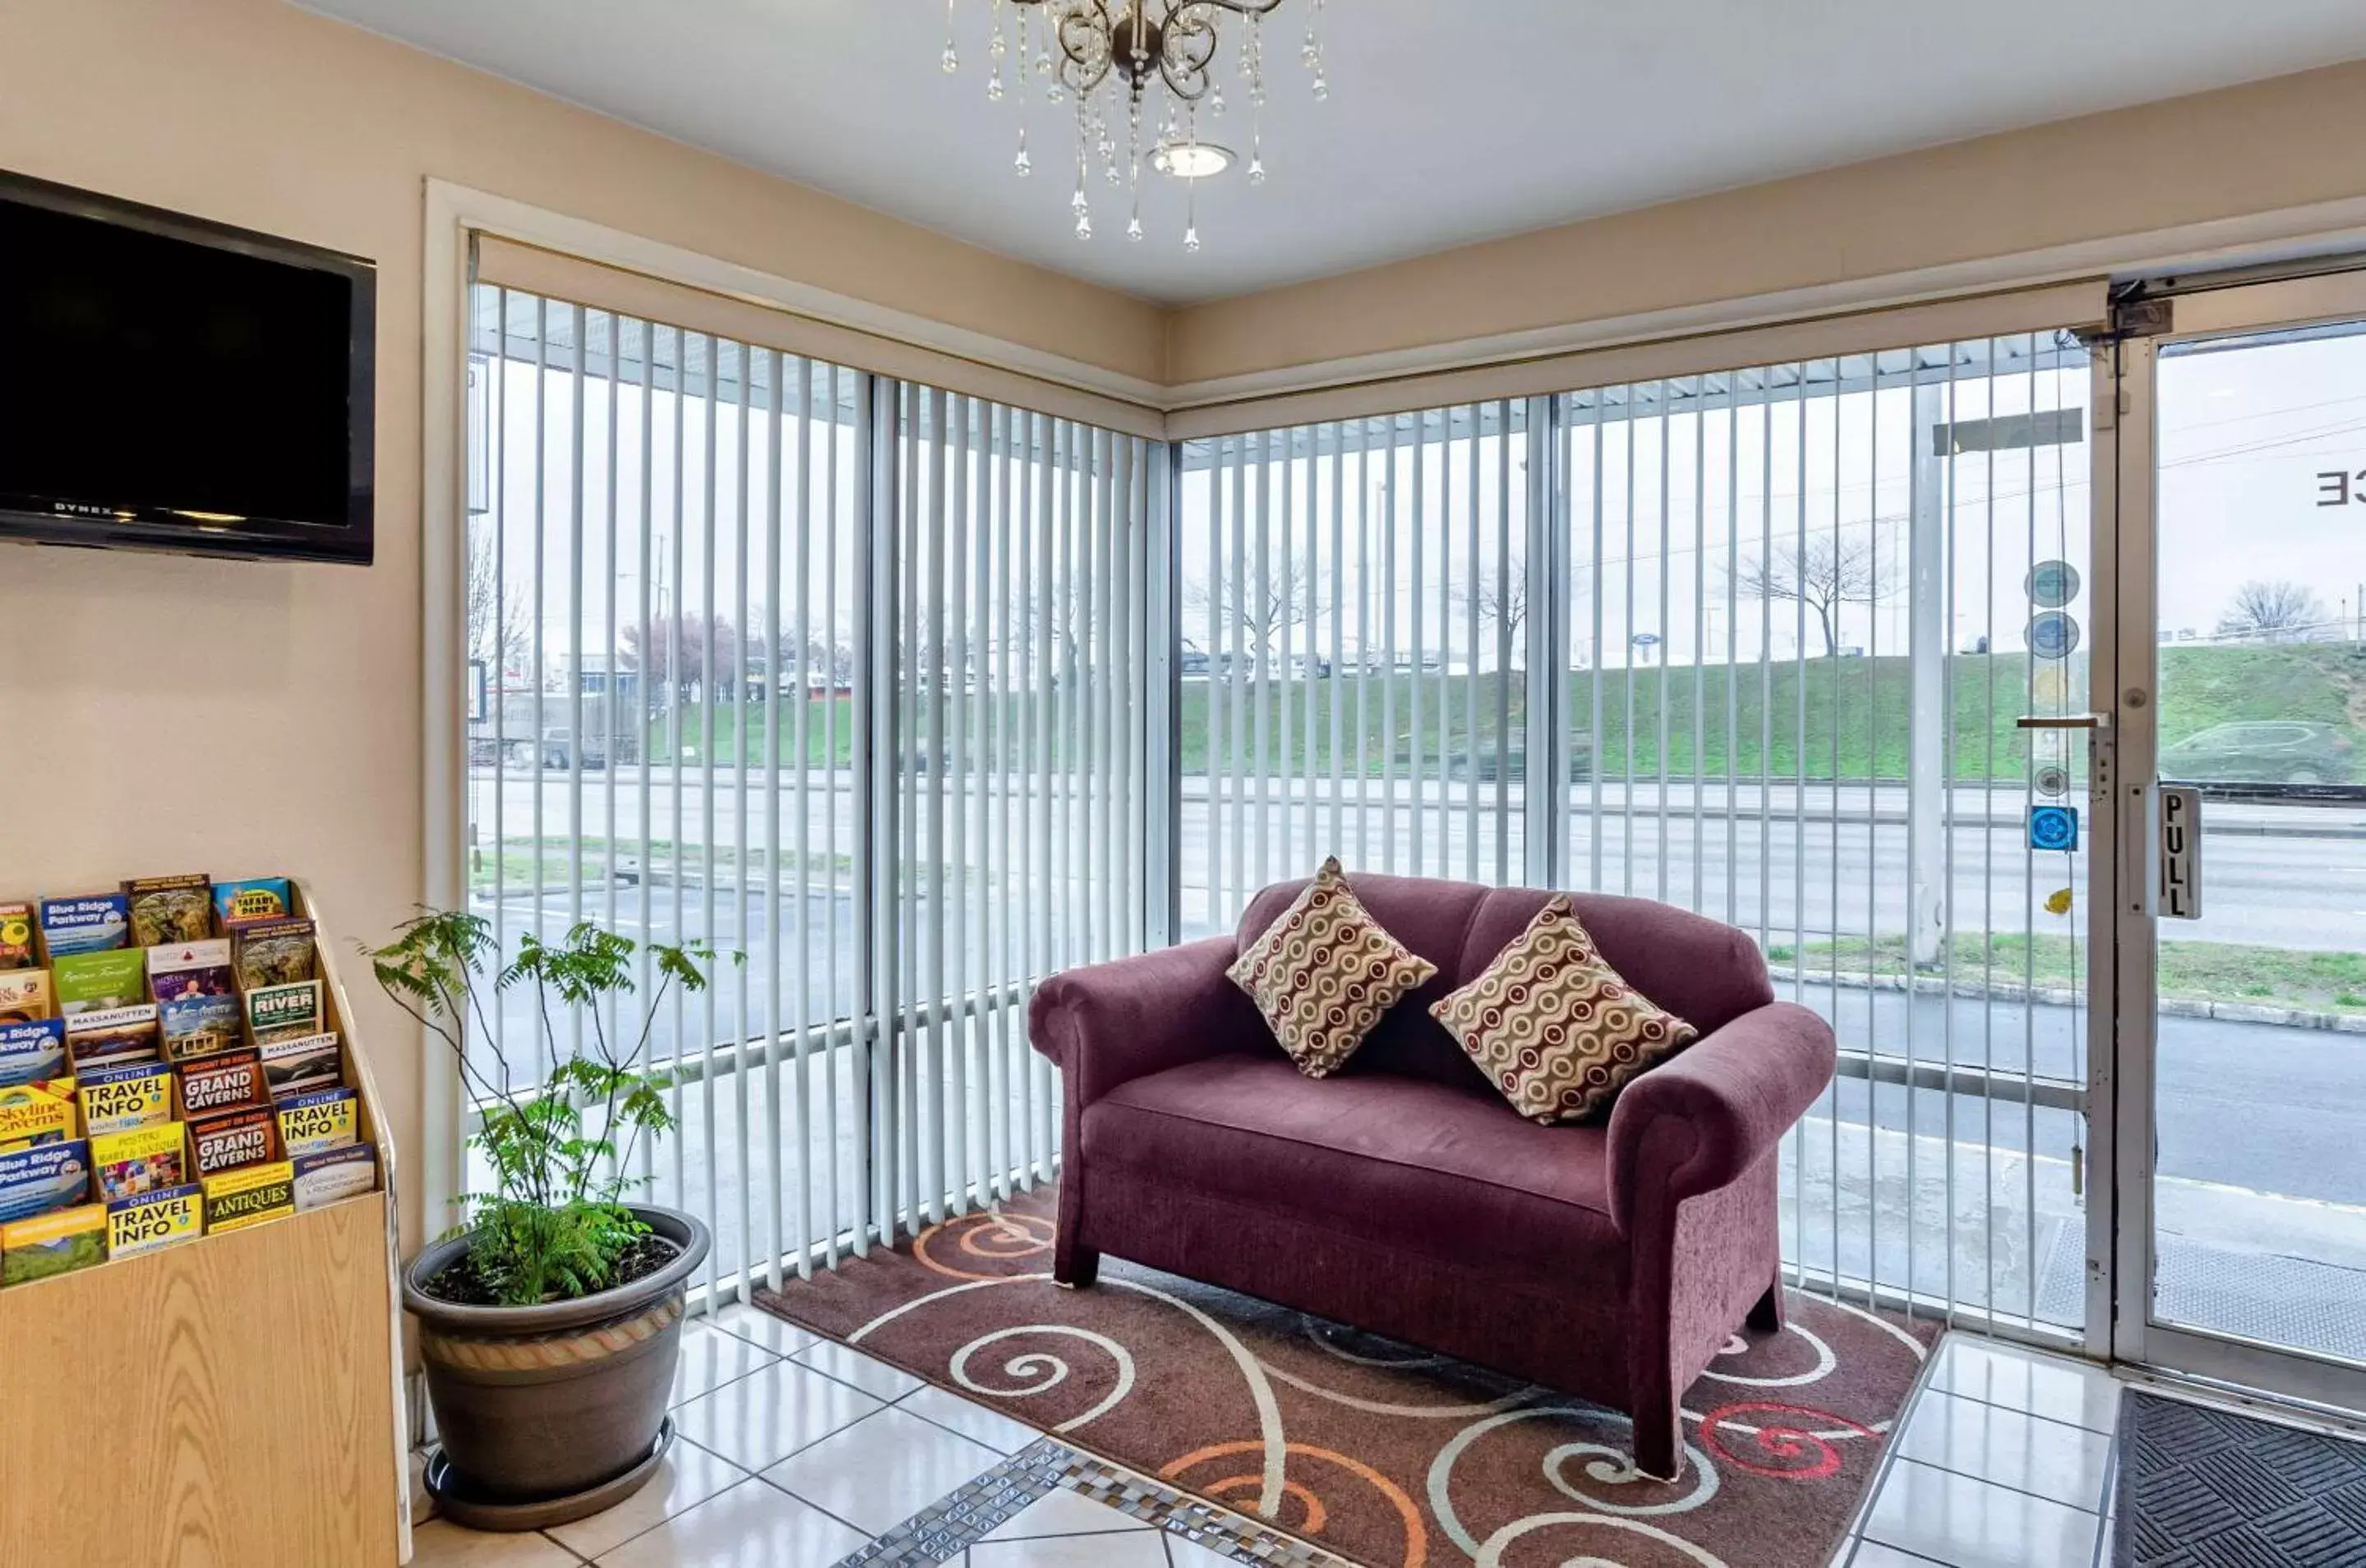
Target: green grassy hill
x,y
1834,718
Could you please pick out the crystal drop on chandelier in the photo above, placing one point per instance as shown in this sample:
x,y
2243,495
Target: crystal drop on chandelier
x,y
1088,46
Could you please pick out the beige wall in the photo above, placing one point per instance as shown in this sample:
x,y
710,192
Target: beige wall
x,y
2288,143
159,713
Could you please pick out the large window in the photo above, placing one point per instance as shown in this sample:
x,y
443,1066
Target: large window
x,y
830,671
1763,655
915,698
1807,606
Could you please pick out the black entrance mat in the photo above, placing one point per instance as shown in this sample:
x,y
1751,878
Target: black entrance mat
x,y
2206,1488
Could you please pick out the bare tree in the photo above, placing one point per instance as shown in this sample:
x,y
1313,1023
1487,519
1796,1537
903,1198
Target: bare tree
x,y
2272,611
500,626
1258,610
1503,606
1826,575
651,649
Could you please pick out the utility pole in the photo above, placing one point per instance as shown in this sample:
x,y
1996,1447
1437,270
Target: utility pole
x,y
1927,642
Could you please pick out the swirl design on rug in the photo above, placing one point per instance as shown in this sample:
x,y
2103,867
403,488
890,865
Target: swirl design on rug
x,y
1825,1362
1416,1534
1328,1343
1783,1439
1383,1452
1609,1465
989,1236
1040,1372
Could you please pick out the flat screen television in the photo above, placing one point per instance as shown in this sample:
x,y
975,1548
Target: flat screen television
x,y
171,384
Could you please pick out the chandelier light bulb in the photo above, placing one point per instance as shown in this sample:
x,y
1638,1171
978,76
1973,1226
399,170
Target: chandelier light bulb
x,y
1112,56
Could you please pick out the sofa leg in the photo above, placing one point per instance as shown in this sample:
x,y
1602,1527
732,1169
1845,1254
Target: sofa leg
x,y
1768,1315
1659,1441
1075,1268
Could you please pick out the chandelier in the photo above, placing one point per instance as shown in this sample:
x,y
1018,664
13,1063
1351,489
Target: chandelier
x,y
1124,68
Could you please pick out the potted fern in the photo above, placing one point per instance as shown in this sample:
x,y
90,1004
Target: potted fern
x,y
550,1315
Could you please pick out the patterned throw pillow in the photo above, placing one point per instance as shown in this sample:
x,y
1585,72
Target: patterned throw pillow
x,y
1324,973
1554,1027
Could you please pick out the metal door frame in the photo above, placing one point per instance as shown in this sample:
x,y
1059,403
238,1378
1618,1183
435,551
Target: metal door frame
x,y
2123,678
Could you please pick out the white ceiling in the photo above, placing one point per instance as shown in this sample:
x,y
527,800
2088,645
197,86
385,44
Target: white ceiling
x,y
1447,120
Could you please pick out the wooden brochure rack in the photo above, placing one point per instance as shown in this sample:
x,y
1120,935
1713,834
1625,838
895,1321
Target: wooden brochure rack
x,y
232,1402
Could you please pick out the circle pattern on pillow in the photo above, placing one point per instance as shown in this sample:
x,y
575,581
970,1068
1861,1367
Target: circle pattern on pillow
x,y
1324,973
1554,1027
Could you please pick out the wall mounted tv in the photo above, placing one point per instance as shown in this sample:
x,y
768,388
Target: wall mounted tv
x,y
171,384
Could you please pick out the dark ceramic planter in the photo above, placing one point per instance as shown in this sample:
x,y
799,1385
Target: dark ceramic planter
x,y
541,1408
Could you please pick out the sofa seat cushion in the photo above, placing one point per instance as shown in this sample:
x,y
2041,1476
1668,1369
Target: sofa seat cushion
x,y
1400,1163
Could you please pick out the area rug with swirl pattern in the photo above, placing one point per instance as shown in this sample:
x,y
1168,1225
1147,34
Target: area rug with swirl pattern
x,y
1372,1449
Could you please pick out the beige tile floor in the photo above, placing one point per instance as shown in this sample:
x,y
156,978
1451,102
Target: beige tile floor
x,y
794,1452
2003,1461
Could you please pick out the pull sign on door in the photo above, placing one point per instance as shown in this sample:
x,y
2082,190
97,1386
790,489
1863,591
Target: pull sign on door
x,y
2179,891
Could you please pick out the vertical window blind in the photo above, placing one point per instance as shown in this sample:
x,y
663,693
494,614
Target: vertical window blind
x,y
1015,813
1754,643
833,671
1352,608
916,697
1800,629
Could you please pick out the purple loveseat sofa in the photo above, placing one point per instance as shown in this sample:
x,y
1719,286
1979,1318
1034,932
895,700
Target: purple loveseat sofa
x,y
1404,1195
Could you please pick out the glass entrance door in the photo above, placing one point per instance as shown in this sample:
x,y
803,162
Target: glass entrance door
x,y
2242,727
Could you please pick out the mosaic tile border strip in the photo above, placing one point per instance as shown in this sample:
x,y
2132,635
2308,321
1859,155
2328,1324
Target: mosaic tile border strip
x,y
944,1528
941,1532
1221,1530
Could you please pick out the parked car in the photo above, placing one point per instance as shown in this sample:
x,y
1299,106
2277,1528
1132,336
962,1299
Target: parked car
x,y
559,750
2262,751
1240,669
1487,762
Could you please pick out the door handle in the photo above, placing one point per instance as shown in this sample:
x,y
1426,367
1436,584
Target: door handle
x,y
2063,721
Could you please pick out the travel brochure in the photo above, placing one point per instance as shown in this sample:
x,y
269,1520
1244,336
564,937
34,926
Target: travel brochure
x,y
165,1071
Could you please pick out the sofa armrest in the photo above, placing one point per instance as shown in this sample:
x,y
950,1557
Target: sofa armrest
x,y
1698,1121
1107,1023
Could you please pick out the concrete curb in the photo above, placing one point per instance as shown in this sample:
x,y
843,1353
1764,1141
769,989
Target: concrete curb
x,y
2050,996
